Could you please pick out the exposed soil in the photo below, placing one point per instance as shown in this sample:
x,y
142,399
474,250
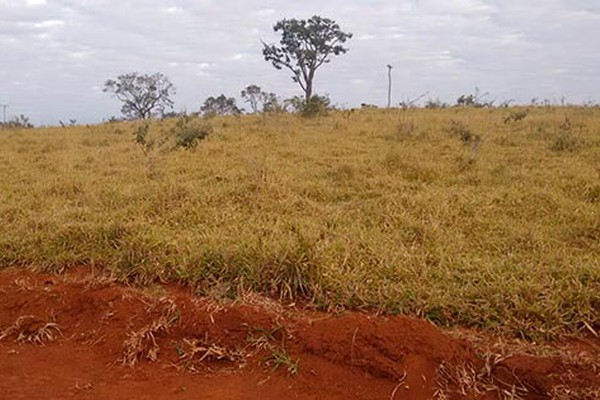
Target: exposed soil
x,y
85,337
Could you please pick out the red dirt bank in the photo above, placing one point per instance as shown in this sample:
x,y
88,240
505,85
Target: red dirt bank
x,y
69,336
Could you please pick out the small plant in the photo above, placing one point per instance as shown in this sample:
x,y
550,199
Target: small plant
x,y
188,131
565,140
515,116
279,357
465,134
468,139
142,139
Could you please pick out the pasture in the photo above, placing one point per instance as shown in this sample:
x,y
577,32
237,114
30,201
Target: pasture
x,y
466,217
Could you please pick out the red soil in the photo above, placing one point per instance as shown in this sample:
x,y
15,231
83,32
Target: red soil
x,y
352,356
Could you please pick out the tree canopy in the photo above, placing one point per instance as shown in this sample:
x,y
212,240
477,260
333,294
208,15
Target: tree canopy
x,y
260,100
221,105
142,95
305,46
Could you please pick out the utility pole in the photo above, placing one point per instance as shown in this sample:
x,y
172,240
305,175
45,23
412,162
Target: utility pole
x,y
4,107
389,104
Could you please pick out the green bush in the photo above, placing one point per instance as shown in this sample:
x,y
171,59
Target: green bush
x,y
188,131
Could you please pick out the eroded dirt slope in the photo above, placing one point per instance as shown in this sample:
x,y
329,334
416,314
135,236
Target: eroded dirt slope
x,y
84,337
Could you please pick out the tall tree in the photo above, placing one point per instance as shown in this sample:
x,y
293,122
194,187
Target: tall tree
x,y
142,95
305,46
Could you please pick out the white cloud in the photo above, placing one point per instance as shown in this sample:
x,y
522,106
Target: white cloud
x,y
266,12
175,10
51,23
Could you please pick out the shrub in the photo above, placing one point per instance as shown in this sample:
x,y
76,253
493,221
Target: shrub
x,y
188,131
317,106
515,116
460,130
142,139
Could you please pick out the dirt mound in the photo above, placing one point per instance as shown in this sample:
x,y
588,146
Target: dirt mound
x,y
88,337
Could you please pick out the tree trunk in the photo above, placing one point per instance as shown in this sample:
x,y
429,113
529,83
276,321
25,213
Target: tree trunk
x,y
309,90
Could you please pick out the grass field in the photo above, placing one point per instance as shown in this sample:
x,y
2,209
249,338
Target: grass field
x,y
403,211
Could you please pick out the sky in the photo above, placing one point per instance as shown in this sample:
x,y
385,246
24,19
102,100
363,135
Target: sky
x,y
55,55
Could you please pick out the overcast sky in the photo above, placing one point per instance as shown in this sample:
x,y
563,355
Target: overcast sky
x,y
56,54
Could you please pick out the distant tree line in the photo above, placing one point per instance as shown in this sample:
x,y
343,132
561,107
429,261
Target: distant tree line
x,y
19,122
304,47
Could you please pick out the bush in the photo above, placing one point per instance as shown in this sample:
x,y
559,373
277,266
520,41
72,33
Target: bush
x,y
460,130
141,137
317,106
188,131
515,116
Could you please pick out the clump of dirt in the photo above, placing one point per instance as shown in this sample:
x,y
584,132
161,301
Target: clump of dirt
x,y
89,337
398,348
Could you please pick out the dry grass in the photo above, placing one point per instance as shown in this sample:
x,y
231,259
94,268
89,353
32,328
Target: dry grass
x,y
469,382
195,352
567,393
367,210
142,343
30,329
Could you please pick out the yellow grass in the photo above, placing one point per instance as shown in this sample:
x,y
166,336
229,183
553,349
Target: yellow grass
x,y
377,209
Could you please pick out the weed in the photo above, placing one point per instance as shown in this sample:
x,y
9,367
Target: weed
x,y
277,356
281,358
141,138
